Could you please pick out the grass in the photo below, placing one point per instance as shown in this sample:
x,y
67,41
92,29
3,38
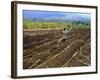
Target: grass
x,y
54,25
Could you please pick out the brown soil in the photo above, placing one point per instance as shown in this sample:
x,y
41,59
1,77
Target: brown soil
x,y
41,49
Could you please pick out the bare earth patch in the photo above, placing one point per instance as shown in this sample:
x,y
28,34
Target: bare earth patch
x,y
42,51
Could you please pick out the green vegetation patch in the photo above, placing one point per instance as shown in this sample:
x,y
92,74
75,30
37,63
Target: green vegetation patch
x,y
54,25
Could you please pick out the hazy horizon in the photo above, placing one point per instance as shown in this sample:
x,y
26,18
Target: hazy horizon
x,y
55,15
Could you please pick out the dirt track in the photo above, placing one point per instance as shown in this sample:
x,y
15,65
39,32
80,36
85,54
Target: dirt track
x,y
42,51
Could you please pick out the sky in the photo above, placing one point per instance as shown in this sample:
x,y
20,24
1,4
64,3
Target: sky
x,y
27,14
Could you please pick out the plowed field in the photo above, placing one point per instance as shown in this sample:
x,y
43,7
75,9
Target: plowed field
x,y
41,49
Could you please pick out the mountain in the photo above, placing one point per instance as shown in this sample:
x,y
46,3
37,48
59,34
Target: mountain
x,y
72,18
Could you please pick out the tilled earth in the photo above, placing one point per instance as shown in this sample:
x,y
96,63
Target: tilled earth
x,y
41,49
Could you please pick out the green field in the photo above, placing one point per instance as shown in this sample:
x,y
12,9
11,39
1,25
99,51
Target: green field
x,y
54,25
